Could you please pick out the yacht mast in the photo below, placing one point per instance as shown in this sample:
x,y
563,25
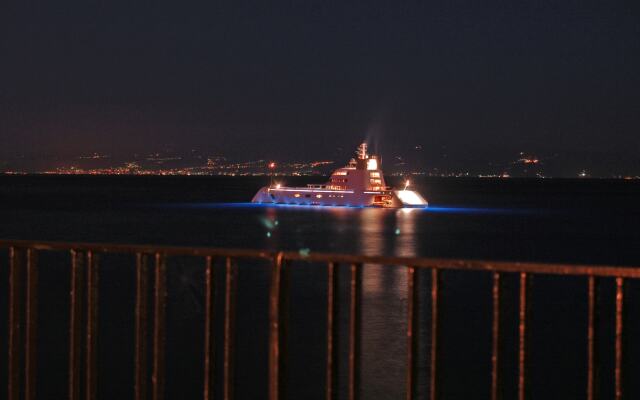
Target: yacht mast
x,y
362,151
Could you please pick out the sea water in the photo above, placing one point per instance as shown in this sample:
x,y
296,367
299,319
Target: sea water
x,y
551,220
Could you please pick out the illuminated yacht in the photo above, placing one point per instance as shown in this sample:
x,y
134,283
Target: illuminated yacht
x,y
360,184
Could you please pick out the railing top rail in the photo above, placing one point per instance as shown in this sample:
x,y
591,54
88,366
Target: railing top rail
x,y
438,263
474,265
139,248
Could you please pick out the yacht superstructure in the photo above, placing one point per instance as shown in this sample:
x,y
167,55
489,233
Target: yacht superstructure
x,y
360,183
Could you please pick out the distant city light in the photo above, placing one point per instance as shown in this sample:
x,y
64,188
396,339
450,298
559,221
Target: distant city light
x,y
168,163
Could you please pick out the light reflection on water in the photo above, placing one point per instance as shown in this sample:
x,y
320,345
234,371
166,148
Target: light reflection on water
x,y
371,232
384,300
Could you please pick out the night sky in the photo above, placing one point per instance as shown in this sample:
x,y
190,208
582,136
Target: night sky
x,y
305,77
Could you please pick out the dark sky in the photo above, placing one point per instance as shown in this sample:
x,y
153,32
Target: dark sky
x,y
306,77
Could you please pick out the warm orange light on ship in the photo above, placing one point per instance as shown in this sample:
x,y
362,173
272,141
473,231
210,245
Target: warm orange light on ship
x,y
272,165
411,198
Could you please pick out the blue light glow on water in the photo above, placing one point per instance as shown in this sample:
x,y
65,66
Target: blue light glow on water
x,y
251,205
475,210
435,209
210,205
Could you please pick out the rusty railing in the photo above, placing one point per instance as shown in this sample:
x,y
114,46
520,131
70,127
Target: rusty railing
x,y
83,368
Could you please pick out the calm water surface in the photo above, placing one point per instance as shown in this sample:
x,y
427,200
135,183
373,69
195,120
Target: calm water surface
x,y
575,221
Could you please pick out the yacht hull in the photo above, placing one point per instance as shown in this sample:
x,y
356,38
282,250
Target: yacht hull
x,y
339,198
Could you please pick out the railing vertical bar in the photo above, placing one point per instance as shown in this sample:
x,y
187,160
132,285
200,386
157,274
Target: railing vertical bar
x,y
618,350
209,331
274,328
332,292
433,389
229,317
92,327
75,315
495,337
283,327
591,338
31,326
354,331
15,324
412,331
522,331
159,310
141,315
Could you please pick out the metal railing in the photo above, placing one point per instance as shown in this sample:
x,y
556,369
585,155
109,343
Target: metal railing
x,y
83,369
